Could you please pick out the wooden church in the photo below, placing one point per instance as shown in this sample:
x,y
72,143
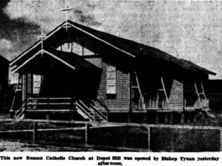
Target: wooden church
x,y
80,73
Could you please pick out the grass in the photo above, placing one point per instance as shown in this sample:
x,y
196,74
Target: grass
x,y
162,139
134,137
185,140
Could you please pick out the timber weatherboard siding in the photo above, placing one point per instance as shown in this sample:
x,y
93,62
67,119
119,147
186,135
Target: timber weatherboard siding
x,y
122,97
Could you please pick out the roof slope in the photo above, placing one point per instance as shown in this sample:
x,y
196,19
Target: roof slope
x,y
73,59
141,49
192,66
70,60
128,47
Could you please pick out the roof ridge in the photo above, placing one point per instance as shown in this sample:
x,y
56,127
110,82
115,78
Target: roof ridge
x,y
126,46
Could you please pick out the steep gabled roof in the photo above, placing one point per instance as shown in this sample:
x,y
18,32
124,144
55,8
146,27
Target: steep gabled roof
x,y
37,45
71,60
125,46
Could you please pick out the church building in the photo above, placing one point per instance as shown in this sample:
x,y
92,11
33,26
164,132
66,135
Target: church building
x,y
80,73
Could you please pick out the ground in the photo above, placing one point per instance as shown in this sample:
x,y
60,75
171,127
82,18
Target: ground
x,y
108,138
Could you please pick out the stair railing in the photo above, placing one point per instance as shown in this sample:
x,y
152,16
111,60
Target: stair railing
x,y
104,106
21,110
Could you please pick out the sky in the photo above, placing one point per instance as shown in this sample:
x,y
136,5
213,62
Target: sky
x,y
185,29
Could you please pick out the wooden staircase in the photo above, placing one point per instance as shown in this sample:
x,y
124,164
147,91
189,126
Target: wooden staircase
x,y
19,114
89,112
86,109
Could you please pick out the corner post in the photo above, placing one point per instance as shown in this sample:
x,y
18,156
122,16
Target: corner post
x,y
220,139
87,133
130,96
35,132
148,138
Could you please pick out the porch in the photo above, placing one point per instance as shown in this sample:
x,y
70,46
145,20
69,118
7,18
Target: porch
x,y
62,105
59,82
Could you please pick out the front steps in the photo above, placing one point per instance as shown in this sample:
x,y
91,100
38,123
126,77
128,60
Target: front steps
x,y
59,108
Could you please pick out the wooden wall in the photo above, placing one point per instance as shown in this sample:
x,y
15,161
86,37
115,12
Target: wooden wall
x,y
150,82
121,100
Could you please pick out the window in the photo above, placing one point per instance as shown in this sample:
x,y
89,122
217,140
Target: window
x,y
37,79
111,80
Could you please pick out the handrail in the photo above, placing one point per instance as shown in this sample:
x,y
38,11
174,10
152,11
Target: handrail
x,y
49,103
93,109
19,111
88,109
83,110
13,100
46,100
22,105
98,112
81,102
20,114
102,104
49,98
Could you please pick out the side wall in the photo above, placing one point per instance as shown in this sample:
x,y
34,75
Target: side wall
x,y
121,100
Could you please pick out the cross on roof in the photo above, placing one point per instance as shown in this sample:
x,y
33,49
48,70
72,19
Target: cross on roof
x,y
42,37
67,10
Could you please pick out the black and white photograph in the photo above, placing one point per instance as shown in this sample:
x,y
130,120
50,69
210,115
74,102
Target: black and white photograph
x,y
111,76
